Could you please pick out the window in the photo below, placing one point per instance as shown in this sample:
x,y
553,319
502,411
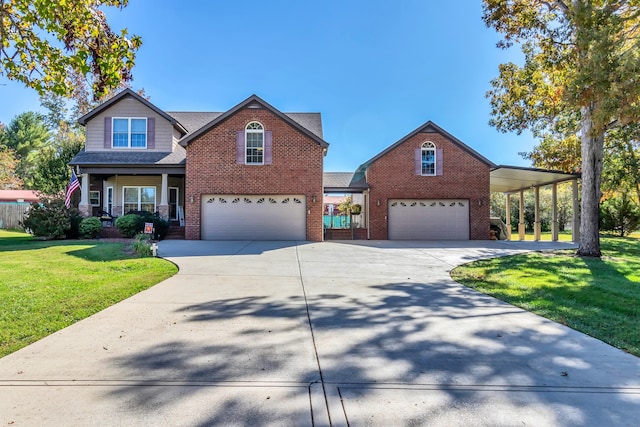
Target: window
x,y
254,144
428,158
138,199
94,198
129,133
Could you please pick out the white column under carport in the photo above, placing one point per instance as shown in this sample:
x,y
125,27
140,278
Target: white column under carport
x,y
554,212
575,226
521,226
537,226
508,215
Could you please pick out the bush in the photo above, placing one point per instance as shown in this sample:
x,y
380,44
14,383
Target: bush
x,y
90,227
133,223
49,219
74,224
130,224
619,214
142,245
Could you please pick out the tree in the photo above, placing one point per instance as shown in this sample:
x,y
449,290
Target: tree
x,y
27,135
48,45
9,180
579,77
51,172
620,214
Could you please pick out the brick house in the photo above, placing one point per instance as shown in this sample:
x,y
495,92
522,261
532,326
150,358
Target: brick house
x,y
251,172
256,173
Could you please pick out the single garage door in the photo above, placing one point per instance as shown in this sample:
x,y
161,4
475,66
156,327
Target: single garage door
x,y
428,219
240,217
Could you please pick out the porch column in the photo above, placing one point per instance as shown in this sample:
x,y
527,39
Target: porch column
x,y
84,207
554,212
575,225
536,223
521,217
508,215
163,207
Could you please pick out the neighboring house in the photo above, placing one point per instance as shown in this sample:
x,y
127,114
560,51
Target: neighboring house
x,y
19,196
252,172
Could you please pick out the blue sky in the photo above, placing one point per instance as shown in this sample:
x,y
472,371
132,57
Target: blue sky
x,y
376,70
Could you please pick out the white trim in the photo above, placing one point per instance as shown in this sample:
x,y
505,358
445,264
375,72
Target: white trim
x,y
106,206
129,147
429,146
256,131
177,201
155,196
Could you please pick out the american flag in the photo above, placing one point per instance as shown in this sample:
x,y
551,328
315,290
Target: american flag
x,y
73,186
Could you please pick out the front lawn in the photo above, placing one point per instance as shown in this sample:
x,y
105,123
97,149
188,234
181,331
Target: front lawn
x,y
600,297
48,285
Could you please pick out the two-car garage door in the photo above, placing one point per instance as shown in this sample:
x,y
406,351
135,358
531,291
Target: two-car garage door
x,y
411,219
245,217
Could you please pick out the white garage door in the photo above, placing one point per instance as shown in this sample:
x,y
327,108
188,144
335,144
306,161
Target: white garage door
x,y
428,219
238,217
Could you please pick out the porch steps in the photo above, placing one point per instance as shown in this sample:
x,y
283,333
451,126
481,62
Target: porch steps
x,y
175,233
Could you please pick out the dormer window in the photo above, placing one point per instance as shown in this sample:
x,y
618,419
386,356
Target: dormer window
x,y
129,132
254,140
428,159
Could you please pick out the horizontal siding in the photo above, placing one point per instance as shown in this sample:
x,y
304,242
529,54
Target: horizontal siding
x,y
129,107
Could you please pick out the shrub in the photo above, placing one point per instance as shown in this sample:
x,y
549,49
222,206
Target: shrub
x,y
74,224
142,245
130,224
49,219
90,227
619,214
134,224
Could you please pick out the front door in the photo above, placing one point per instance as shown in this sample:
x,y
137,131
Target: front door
x,y
173,203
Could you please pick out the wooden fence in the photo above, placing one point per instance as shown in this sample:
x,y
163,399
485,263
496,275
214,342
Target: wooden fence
x,y
11,213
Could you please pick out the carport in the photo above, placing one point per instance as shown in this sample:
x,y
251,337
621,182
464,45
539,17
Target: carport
x,y
512,180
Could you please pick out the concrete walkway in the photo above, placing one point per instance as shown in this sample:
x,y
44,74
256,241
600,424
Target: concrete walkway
x,y
371,333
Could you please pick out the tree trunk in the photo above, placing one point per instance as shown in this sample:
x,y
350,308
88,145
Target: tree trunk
x,y
592,153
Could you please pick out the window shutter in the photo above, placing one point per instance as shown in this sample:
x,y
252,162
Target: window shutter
x,y
107,132
418,161
439,162
151,132
268,147
240,153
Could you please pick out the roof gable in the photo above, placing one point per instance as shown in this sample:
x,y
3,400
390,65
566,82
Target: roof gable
x,y
128,93
299,121
428,127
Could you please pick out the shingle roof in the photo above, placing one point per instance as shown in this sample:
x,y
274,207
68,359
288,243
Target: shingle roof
x,y
193,120
337,181
307,123
142,158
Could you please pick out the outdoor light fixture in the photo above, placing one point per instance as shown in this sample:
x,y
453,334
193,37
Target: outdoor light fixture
x,y
313,198
191,199
378,202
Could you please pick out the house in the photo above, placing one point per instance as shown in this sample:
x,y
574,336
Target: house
x,y
256,173
251,172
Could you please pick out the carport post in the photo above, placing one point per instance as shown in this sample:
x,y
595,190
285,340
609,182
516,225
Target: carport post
x,y
575,226
536,222
554,212
508,215
521,217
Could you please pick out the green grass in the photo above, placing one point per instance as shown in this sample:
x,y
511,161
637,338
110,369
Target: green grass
x,y
600,297
48,285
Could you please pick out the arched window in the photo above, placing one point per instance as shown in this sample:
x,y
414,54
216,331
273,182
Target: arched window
x,y
254,144
428,158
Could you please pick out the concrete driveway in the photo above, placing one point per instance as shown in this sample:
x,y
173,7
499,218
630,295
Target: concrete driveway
x,y
335,333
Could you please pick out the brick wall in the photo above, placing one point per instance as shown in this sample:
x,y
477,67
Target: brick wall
x,y
296,168
464,177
